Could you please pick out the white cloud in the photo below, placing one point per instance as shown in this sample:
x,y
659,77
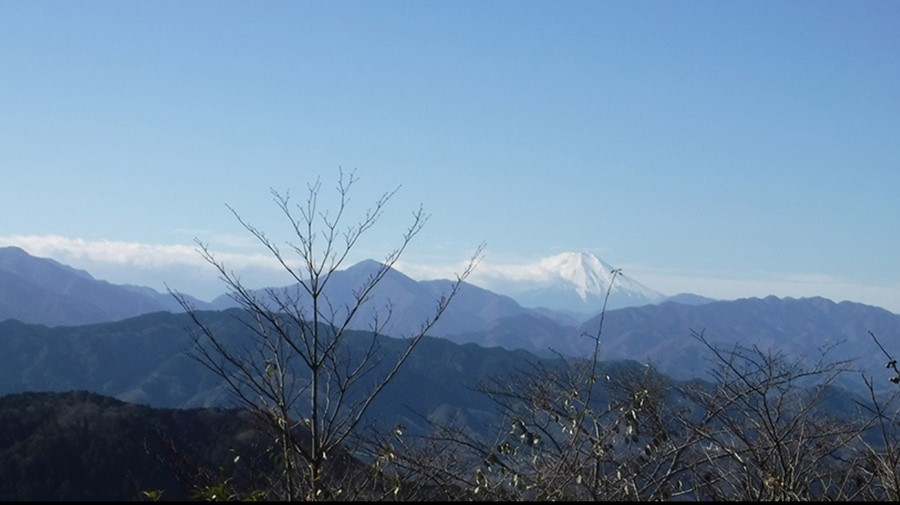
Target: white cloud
x,y
178,266
128,253
485,274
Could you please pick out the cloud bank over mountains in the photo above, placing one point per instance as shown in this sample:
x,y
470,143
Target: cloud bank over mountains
x,y
181,267
178,266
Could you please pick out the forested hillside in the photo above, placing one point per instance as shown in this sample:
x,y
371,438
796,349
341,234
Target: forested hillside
x,y
80,446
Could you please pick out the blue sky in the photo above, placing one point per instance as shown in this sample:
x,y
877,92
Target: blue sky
x,y
725,148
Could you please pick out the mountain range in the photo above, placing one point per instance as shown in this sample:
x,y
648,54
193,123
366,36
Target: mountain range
x,y
42,291
39,290
567,288
145,360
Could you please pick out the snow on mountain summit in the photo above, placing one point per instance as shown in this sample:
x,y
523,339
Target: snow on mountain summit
x,y
569,281
586,272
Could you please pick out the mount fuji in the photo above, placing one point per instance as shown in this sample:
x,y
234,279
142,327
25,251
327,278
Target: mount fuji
x,y
571,282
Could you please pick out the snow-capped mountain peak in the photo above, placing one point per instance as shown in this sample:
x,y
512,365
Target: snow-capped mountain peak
x,y
586,272
571,281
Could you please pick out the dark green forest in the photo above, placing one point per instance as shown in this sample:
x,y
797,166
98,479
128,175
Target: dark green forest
x,y
83,446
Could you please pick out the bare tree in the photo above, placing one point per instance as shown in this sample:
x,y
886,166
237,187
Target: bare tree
x,y
760,430
763,430
582,429
879,464
299,365
575,428
555,444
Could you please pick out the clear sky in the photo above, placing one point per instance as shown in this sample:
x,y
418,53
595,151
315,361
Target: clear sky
x,y
724,148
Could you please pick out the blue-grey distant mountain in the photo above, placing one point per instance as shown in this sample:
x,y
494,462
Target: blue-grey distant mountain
x,y
143,360
40,290
689,299
475,315
801,328
36,290
658,333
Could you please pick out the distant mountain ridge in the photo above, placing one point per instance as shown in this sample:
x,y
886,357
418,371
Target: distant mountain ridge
x,y
659,333
800,328
689,299
475,315
568,289
43,291
143,359
149,366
